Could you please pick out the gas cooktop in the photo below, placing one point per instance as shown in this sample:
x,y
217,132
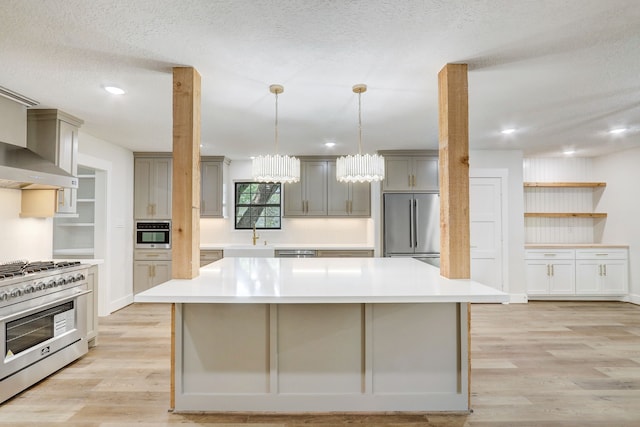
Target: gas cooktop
x,y
22,268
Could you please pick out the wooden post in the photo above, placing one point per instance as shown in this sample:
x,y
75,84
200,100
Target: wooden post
x,y
185,245
455,262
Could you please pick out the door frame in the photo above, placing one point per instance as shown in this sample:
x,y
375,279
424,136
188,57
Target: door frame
x,y
503,176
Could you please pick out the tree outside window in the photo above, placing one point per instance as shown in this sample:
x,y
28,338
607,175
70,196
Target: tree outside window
x,y
257,203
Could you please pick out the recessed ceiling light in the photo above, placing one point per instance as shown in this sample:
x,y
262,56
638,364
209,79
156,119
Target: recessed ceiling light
x,y
329,144
114,90
507,131
617,131
569,152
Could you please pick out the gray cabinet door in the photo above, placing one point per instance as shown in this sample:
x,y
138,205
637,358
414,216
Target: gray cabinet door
x,y
308,197
315,188
360,203
411,173
152,188
338,197
425,174
347,199
397,173
211,189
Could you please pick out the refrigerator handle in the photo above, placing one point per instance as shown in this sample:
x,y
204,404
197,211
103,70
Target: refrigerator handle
x,y
410,223
415,223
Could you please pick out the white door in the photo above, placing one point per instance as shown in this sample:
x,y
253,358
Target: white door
x,y
485,212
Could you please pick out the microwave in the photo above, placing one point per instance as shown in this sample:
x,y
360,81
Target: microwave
x,y
153,234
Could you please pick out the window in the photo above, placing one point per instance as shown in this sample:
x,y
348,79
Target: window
x,y
257,203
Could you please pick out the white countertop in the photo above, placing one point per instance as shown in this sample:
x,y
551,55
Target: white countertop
x,y
573,246
278,246
319,280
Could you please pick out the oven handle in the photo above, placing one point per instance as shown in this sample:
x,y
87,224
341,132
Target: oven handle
x,y
43,307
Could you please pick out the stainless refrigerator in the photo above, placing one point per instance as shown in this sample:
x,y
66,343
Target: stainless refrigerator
x,y
412,226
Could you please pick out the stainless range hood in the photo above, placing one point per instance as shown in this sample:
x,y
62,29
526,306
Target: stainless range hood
x,y
22,169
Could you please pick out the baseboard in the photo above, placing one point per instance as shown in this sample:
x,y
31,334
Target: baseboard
x,y
518,298
121,303
634,299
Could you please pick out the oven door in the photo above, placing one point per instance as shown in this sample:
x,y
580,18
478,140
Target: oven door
x,y
153,239
31,335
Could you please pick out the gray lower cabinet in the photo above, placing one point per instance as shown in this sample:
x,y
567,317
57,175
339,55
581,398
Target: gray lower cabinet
x,y
150,268
92,306
320,194
152,186
207,256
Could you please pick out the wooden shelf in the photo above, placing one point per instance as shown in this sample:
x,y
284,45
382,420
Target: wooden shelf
x,y
564,215
566,184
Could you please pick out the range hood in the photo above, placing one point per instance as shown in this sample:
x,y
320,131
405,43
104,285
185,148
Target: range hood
x,y
22,169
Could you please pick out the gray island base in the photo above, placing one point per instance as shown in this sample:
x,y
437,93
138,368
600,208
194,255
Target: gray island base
x,y
321,335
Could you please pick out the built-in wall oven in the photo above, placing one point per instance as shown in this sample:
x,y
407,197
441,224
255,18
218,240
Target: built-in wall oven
x,y
43,324
153,234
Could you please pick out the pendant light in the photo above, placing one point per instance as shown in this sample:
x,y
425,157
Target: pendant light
x,y
360,167
276,168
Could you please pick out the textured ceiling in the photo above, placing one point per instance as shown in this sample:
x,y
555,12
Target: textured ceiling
x,y
562,72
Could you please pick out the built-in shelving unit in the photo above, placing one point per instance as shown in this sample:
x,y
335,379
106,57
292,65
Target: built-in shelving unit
x,y
74,236
562,211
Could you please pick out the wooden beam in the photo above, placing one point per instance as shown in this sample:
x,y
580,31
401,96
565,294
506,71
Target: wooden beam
x,y
185,245
455,262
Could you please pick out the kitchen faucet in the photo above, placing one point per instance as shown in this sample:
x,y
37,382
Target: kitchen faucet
x,y
255,236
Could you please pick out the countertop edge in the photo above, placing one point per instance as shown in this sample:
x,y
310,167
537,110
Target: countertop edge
x,y
574,246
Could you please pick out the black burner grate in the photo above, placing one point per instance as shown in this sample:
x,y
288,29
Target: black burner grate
x,y
20,268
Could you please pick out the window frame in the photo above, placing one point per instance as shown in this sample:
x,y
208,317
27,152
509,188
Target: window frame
x,y
262,206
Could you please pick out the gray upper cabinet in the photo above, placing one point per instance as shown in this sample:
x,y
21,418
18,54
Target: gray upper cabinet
x,y
53,134
319,194
152,186
308,197
411,173
212,187
347,199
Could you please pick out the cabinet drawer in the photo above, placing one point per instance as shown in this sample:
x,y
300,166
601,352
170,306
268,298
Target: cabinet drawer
x,y
603,253
344,253
152,255
209,256
549,254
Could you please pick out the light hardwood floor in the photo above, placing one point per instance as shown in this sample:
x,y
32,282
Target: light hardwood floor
x,y
536,364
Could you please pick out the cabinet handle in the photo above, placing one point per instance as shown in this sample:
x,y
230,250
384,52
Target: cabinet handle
x,y
409,177
550,254
60,197
604,268
552,272
601,254
346,205
413,178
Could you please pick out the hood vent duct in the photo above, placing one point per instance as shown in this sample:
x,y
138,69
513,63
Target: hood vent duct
x,y
22,169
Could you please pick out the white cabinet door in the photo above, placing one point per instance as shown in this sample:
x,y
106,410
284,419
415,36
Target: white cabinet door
x,y
562,279
397,174
537,277
211,186
615,277
425,174
152,188
588,277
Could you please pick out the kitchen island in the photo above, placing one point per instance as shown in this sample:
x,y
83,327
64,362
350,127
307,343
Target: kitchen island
x,y
321,335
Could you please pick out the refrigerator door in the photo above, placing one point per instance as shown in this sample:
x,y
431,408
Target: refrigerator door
x,y
398,220
427,223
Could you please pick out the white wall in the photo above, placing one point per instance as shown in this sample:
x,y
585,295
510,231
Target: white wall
x,y
512,161
294,230
22,238
619,200
117,284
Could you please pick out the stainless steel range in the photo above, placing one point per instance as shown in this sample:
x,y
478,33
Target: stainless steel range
x,y
43,320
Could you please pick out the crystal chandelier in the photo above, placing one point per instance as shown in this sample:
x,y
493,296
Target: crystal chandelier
x,y
360,167
276,168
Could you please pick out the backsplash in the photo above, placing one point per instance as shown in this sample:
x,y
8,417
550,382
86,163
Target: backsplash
x,y
22,238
